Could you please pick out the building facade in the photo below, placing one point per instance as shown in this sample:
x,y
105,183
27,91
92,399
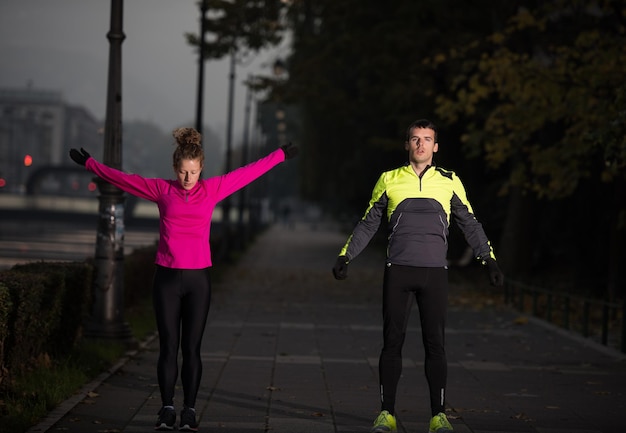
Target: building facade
x,y
37,129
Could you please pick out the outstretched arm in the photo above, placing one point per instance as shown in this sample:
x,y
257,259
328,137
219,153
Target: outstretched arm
x,y
229,183
364,231
475,234
130,183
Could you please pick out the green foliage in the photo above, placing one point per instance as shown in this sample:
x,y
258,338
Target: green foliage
x,y
138,278
72,295
33,393
547,105
138,275
357,70
235,24
42,308
529,98
35,315
521,91
6,307
141,319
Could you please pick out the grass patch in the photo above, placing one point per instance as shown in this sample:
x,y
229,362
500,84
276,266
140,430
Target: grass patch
x,y
31,395
141,319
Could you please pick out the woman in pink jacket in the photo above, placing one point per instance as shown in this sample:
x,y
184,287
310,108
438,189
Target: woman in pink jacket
x,y
182,286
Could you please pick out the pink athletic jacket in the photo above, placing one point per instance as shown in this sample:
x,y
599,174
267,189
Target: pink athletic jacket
x,y
185,216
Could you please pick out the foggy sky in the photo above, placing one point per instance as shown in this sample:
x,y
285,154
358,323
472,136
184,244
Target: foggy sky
x,y
61,45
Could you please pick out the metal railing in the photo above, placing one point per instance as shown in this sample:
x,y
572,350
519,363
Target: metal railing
x,y
600,320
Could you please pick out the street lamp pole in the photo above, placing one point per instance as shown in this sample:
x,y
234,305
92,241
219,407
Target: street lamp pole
x,y
107,314
200,95
243,202
229,132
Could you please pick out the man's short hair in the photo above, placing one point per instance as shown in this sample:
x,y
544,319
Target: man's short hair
x,y
421,123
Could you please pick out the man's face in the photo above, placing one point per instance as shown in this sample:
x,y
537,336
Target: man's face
x,y
421,146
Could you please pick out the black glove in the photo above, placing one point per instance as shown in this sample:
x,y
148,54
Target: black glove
x,y
79,157
496,277
290,150
340,270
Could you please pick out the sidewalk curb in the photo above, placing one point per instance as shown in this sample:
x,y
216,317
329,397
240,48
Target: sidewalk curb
x,y
607,350
63,408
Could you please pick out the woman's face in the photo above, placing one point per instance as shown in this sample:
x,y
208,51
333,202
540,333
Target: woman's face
x,y
188,173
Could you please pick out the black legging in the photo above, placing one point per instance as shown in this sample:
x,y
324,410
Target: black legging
x,y
430,287
181,303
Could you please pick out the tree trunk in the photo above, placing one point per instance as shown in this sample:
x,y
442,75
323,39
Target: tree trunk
x,y
617,238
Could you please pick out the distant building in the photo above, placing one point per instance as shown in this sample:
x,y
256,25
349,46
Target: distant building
x,y
37,129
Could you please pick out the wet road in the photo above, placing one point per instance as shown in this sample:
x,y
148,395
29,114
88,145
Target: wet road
x,y
29,236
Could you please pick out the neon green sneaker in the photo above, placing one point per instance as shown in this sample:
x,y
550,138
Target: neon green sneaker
x,y
439,424
384,423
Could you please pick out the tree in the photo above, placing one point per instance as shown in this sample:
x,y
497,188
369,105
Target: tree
x,y
356,68
239,25
532,89
544,101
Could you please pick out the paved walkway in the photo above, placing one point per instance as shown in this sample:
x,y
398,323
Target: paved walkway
x,y
290,349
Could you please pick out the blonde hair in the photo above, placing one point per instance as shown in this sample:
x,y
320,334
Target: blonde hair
x,y
188,146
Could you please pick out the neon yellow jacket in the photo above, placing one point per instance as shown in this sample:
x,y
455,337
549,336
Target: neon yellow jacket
x,y
418,210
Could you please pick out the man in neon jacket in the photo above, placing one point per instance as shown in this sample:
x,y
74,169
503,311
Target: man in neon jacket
x,y
417,201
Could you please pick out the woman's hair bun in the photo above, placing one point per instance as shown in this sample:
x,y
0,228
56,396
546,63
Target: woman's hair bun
x,y
187,136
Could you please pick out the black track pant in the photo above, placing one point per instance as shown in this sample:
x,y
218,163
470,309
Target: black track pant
x,y
181,303
430,287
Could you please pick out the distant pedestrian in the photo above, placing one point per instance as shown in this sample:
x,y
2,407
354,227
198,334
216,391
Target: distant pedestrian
x,y
417,201
182,285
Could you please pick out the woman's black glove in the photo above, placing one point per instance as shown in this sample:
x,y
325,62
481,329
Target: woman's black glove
x,y
290,150
340,270
79,157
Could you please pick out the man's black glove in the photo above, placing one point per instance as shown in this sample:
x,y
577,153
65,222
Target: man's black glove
x,y
496,277
340,270
290,150
79,157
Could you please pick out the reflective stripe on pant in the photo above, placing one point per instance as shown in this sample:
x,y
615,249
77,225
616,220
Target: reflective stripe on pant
x,y
430,288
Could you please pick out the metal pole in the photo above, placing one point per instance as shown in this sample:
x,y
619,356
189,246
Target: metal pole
x,y
245,151
200,95
623,336
107,315
229,133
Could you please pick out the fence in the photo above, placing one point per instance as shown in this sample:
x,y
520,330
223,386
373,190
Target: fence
x,y
593,318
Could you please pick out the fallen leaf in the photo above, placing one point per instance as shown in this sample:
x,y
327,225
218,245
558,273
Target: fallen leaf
x,y
521,320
